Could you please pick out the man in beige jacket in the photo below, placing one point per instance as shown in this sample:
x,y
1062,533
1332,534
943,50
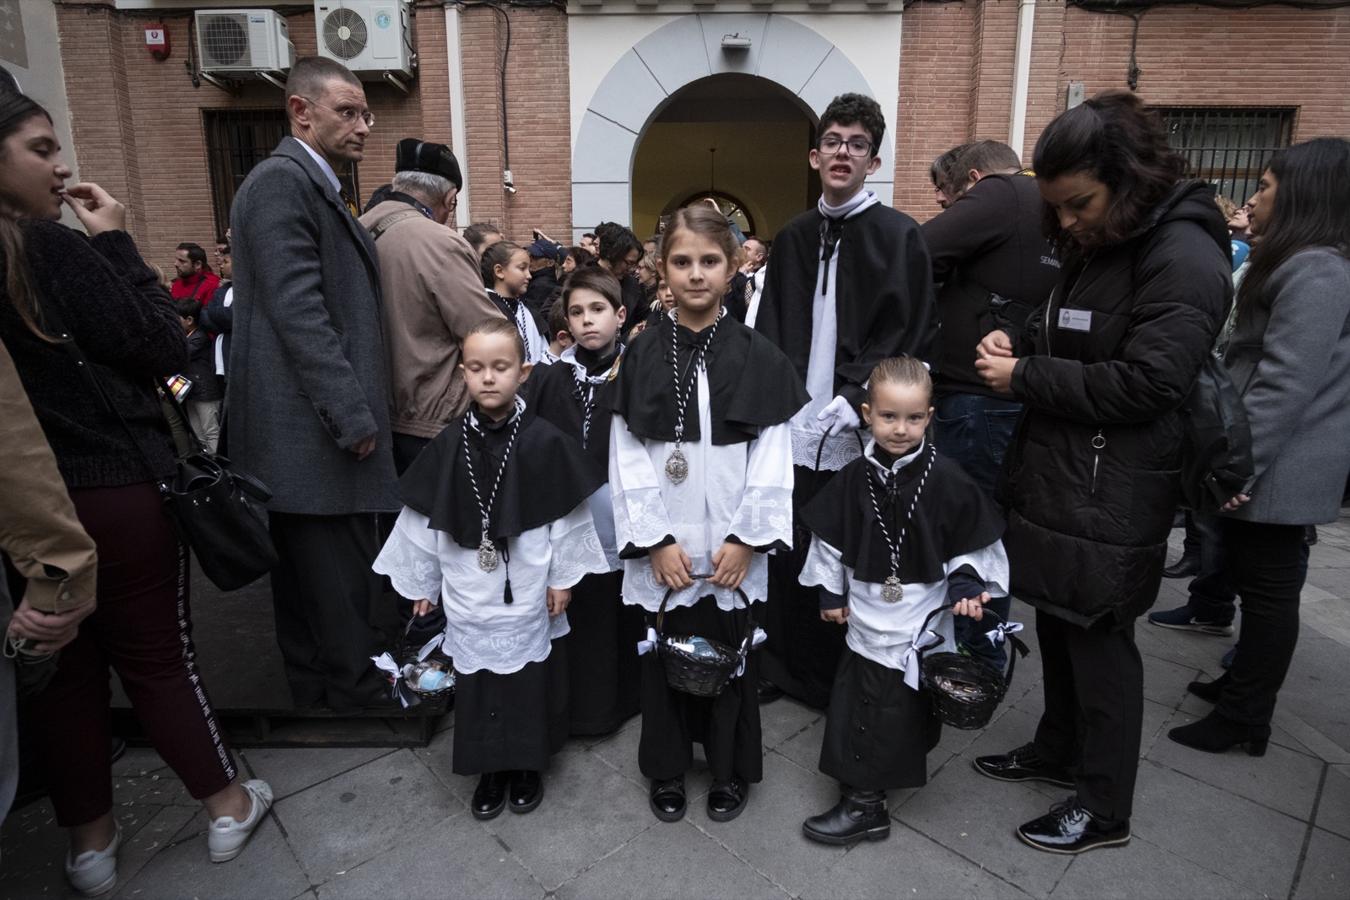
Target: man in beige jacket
x,y
43,539
433,294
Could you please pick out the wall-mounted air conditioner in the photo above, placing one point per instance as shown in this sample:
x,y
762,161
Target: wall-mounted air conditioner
x,y
373,38
243,41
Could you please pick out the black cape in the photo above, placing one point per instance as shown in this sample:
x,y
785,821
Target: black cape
x,y
553,393
753,385
546,477
884,300
953,517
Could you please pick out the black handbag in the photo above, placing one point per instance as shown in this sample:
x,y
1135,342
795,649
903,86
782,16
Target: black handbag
x,y
218,511
1216,456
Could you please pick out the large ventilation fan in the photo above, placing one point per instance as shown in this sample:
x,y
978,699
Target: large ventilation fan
x,y
224,41
344,33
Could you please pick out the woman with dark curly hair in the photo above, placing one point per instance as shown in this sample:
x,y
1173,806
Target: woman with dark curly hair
x,y
1091,477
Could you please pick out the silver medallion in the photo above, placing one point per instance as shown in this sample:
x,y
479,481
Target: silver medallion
x,y
677,467
891,590
487,556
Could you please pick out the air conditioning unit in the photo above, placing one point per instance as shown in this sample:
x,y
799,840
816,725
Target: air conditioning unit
x,y
241,41
373,38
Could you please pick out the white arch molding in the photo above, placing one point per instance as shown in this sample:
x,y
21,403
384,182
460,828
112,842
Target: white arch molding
x,y
678,53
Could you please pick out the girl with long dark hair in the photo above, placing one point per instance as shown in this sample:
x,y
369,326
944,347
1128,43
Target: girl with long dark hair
x,y
1290,359
1090,480
56,287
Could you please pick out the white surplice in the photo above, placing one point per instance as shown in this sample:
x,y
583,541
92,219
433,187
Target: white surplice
x,y
742,490
482,631
887,633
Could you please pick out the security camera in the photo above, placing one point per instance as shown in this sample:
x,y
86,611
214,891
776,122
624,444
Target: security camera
x,y
508,182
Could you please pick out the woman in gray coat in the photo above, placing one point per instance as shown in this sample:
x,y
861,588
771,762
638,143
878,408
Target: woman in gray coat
x,y
1290,359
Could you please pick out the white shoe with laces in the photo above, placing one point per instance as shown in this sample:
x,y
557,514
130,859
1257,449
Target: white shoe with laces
x,y
226,838
94,872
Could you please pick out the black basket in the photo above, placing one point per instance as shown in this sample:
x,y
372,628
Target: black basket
x,y
965,691
703,674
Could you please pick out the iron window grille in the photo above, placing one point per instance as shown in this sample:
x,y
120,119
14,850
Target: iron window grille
x,y
1228,147
236,141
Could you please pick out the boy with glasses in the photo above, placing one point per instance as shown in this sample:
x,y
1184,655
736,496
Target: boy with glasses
x,y
851,285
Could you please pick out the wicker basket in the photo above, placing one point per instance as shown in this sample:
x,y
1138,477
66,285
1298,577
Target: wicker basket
x,y
965,691
697,665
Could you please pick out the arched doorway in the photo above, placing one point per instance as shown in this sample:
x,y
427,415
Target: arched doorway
x,y
648,78
739,139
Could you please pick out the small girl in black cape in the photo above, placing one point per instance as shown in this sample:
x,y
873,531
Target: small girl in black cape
x,y
496,528
603,669
700,468
900,532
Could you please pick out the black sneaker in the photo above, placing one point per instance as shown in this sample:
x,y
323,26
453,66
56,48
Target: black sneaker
x,y
1069,829
1182,619
1022,764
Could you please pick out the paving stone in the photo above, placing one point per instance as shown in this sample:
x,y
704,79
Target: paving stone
x,y
1259,848
784,718
671,860
154,789
620,752
1156,719
1282,779
1165,681
267,868
907,864
137,761
588,810
768,834
360,814
161,828
455,857
1143,869
1326,870
1333,813
1314,691
292,769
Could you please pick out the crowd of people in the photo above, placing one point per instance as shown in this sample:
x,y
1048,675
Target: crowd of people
x,y
565,464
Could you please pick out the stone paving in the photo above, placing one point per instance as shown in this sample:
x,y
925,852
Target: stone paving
x,y
355,823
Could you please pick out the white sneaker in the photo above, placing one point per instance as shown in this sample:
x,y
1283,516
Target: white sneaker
x,y
94,872
226,837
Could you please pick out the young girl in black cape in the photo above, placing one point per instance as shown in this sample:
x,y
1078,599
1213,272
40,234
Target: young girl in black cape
x,y
496,528
701,472
900,532
603,668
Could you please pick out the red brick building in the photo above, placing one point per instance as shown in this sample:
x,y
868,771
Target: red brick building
x,y
622,109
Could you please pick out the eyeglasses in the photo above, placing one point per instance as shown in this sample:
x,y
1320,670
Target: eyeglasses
x,y
348,114
858,147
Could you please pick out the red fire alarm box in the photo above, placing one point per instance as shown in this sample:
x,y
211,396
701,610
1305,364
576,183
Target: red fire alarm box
x,y
157,40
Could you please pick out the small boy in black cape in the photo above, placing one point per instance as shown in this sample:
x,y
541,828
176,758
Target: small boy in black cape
x,y
850,285
573,394
899,533
496,528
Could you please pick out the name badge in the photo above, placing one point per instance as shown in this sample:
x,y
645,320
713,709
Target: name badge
x,y
1075,319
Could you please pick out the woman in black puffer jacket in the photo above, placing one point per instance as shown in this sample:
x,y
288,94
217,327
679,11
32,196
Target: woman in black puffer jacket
x,y
1090,481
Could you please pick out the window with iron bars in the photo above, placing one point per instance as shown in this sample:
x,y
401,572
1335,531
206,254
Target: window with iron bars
x,y
1228,147
236,141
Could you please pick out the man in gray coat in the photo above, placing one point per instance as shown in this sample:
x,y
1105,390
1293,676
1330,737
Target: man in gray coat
x,y
308,389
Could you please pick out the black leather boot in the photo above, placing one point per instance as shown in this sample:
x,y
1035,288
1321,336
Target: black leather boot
x,y
858,816
1217,734
489,798
667,799
526,790
1209,691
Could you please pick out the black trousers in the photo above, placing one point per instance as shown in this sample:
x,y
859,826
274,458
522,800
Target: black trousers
x,y
1094,709
1267,565
322,595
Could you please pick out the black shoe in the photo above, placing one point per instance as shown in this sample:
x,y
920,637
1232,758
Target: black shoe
x,y
667,799
768,692
526,791
117,747
1217,734
1209,691
489,798
727,799
1069,828
1188,565
1022,764
858,816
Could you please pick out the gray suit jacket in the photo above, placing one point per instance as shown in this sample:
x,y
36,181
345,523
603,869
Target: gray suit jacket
x,y
1291,363
308,375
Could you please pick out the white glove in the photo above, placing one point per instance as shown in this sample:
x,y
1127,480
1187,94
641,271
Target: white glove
x,y
838,416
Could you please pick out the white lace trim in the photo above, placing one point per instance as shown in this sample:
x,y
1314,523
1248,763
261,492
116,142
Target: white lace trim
x,y
840,449
640,517
577,553
501,651
640,587
414,572
764,516
824,567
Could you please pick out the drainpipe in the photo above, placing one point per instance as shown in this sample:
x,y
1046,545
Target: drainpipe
x,y
459,136
1026,25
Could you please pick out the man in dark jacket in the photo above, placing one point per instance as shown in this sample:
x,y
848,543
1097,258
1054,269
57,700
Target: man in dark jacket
x,y
309,396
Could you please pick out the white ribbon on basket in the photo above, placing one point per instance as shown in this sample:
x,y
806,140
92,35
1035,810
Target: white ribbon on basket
x,y
999,633
385,663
